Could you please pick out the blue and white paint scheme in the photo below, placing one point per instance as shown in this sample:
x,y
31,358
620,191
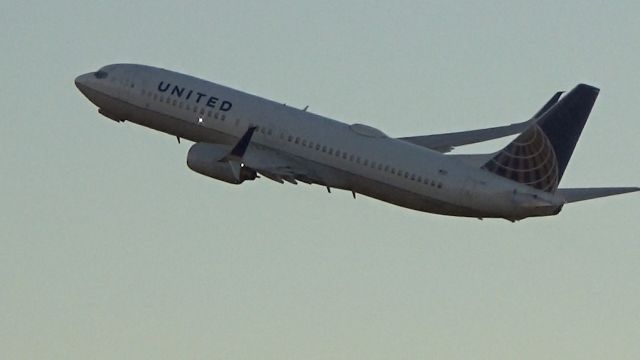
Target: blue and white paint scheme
x,y
239,136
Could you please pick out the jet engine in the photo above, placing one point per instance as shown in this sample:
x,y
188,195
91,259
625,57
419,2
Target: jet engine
x,y
209,160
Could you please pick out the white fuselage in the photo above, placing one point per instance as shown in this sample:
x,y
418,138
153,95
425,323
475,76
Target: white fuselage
x,y
352,157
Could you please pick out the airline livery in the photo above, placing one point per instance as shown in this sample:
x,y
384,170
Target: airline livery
x,y
239,137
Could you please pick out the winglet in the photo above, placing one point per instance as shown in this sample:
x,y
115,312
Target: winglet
x,y
241,147
234,158
554,99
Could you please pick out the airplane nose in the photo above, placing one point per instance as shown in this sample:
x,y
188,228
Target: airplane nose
x,y
82,81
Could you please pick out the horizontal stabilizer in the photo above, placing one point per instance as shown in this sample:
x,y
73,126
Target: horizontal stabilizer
x,y
580,194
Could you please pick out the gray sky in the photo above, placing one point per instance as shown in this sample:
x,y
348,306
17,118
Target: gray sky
x,y
113,248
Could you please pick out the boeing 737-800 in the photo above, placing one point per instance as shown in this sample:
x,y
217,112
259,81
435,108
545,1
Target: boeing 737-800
x,y
239,136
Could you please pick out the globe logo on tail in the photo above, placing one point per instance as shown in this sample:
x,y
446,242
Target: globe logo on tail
x,y
529,159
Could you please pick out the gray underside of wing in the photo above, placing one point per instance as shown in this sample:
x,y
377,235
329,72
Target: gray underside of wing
x,y
279,167
581,194
446,142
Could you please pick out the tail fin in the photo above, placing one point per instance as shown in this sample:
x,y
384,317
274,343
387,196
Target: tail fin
x,y
539,156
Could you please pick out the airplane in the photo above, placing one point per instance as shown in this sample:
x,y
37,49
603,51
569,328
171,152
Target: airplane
x,y
240,137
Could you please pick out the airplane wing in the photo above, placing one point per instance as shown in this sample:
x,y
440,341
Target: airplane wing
x,y
246,159
447,142
444,143
279,167
249,158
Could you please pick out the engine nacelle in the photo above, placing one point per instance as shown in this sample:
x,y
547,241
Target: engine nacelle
x,y
204,159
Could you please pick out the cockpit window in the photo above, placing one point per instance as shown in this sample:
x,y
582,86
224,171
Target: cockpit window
x,y
101,74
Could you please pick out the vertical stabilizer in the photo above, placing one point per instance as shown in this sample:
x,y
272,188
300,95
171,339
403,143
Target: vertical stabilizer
x,y
540,155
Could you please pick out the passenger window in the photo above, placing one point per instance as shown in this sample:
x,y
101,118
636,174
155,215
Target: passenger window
x,y
386,168
161,98
399,172
297,140
304,142
222,117
344,155
310,144
209,113
366,162
439,185
175,102
290,138
379,166
215,116
324,148
317,147
269,132
419,179
406,175
330,151
338,153
358,159
168,100
393,171
180,105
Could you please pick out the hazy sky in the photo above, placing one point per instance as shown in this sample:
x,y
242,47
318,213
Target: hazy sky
x,y
112,248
